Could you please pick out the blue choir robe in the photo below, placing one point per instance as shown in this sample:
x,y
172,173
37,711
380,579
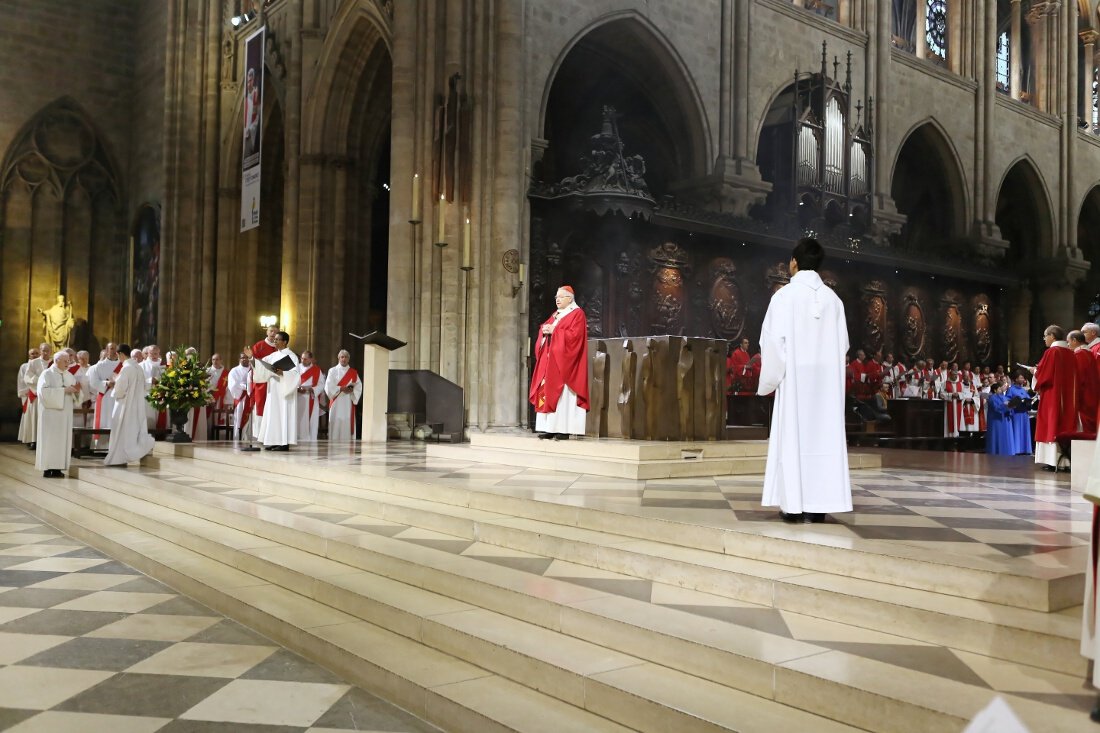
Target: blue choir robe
x,y
1021,422
1000,439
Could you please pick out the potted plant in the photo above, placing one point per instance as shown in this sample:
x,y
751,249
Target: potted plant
x,y
183,386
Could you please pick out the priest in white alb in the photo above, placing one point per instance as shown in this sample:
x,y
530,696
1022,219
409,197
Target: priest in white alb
x,y
240,391
279,426
802,345
344,389
27,398
34,370
130,438
312,384
219,391
101,383
58,393
153,367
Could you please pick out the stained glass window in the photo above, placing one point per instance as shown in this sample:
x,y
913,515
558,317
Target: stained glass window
x,y
1004,63
1095,112
936,34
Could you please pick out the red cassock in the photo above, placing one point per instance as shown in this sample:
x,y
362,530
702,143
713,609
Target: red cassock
x,y
860,388
735,366
874,374
1088,389
1056,383
260,349
560,360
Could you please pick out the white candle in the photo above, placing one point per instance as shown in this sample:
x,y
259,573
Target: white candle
x,y
442,237
415,217
522,272
466,254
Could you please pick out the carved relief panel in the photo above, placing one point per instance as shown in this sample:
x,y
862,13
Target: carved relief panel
x,y
727,309
669,264
983,329
874,315
951,334
912,325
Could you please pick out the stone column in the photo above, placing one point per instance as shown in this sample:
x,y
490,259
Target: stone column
x,y
1016,51
1057,280
1088,38
1017,309
887,219
989,241
294,292
1068,214
921,35
206,295
1037,20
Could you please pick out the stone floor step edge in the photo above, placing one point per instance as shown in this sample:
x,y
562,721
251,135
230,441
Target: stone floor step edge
x,y
896,568
602,697
435,705
911,712
605,556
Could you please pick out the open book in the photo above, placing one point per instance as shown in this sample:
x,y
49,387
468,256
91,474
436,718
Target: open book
x,y
285,364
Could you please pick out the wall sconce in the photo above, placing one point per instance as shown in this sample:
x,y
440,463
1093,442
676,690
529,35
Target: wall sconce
x,y
268,321
522,275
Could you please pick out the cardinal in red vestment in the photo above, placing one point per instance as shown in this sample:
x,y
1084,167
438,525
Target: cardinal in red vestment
x,y
559,382
1088,382
1056,383
735,368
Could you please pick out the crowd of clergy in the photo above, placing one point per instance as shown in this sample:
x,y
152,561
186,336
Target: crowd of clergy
x,y
274,405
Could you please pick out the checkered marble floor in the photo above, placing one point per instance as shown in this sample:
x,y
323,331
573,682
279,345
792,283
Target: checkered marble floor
x,y
88,644
702,608
1032,521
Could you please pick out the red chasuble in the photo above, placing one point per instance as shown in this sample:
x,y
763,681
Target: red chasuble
x,y
1056,382
563,361
1088,389
260,349
735,367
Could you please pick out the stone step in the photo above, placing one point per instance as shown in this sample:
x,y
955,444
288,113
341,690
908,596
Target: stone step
x,y
631,459
967,577
439,688
1044,640
725,654
348,619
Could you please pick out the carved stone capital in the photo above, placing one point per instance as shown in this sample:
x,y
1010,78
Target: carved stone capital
x,y
988,242
735,187
1066,270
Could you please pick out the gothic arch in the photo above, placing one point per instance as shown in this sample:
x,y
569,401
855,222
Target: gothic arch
x,y
1088,240
62,231
626,48
928,186
1024,212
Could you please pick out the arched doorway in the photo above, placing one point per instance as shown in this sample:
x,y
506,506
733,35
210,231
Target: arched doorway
x,y
928,188
1087,297
620,110
1024,219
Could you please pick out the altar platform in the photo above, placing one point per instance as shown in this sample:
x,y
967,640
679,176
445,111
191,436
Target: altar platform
x,y
619,458
486,597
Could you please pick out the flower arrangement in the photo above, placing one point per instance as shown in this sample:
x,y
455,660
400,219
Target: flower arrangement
x,y
183,385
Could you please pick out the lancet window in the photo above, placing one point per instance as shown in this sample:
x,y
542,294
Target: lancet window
x,y
935,23
1004,63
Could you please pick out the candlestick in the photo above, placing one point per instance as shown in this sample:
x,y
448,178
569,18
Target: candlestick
x,y
441,239
466,254
415,216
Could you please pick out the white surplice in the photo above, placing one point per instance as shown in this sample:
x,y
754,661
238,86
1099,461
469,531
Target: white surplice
x,y
55,420
1090,634
152,369
98,375
341,418
34,370
802,346
279,425
130,439
240,387
21,391
309,408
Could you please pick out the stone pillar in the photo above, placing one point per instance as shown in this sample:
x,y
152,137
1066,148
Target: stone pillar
x,y
1017,310
990,244
1016,50
294,292
1040,49
1057,280
1068,94
1088,38
887,219
921,34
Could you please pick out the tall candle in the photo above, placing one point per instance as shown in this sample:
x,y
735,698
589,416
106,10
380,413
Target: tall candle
x,y
466,255
522,272
442,237
415,198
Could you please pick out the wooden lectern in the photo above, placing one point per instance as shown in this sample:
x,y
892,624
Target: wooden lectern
x,y
376,381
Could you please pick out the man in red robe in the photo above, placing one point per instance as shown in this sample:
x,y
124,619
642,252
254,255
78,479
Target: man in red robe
x,y
861,390
1088,382
261,350
559,382
1056,383
735,367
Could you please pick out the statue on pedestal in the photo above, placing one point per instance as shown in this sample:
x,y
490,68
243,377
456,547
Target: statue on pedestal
x,y
57,323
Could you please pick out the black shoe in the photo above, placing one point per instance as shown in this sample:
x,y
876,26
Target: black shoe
x,y
47,474
1094,716
561,436
791,518
1052,469
545,436
815,517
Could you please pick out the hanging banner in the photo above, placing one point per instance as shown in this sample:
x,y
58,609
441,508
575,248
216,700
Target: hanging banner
x,y
253,123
